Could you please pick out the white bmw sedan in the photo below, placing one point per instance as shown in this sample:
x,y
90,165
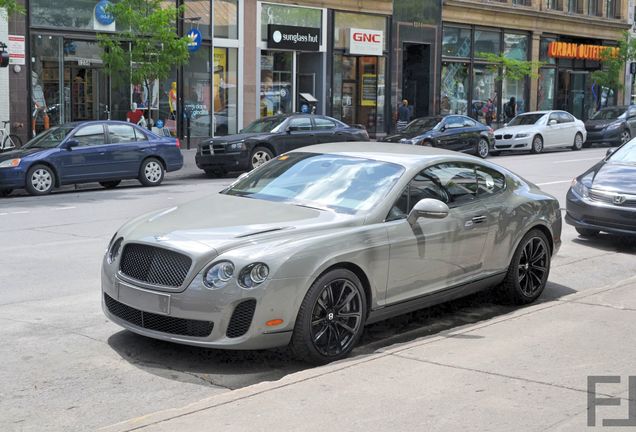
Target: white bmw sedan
x,y
537,130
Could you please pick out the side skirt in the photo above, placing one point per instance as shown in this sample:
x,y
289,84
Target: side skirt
x,y
434,298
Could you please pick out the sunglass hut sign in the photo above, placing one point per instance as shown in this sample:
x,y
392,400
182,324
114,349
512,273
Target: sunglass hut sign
x,y
293,38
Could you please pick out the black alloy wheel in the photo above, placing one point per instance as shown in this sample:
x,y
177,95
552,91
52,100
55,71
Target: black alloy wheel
x,y
331,318
529,269
483,148
110,184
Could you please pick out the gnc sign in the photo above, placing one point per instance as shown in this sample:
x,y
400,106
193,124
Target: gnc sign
x,y
366,42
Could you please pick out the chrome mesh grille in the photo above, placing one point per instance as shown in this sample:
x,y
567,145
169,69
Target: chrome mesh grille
x,y
241,318
160,323
154,265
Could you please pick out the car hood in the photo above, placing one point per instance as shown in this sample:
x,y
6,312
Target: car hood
x,y
238,137
617,177
515,129
19,153
219,222
599,124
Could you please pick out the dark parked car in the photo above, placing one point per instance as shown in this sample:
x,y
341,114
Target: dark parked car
x,y
453,132
83,152
613,125
604,197
269,137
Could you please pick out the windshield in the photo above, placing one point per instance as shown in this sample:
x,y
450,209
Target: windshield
x,y
525,119
609,113
264,125
49,139
324,181
421,124
626,154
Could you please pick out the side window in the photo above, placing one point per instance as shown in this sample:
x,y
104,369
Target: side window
x,y
324,124
489,182
553,116
300,123
469,122
565,118
458,180
454,122
631,112
90,135
121,134
140,136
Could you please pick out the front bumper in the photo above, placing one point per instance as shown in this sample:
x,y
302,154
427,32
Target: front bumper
x,y
275,299
12,178
584,213
521,144
238,161
604,136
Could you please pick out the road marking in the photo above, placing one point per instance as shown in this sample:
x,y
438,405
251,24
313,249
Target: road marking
x,y
63,208
577,160
20,212
554,182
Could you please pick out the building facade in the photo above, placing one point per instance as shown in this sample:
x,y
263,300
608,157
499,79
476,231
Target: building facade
x,y
565,35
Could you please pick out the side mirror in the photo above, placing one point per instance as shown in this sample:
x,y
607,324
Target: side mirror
x,y
69,144
609,152
428,208
442,128
552,122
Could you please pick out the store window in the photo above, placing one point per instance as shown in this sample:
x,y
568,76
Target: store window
x,y
487,42
543,51
545,90
344,21
516,46
226,19
484,102
197,94
456,42
78,14
454,87
288,15
225,90
276,83
196,15
46,93
514,89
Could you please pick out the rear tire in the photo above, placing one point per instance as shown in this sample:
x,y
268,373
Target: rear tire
x,y
151,172
110,184
483,148
625,136
578,142
529,269
537,144
331,318
40,180
587,232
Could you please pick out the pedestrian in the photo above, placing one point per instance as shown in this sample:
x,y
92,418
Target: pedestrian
x,y
489,111
404,115
510,109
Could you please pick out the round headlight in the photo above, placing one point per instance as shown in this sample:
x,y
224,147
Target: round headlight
x,y
254,274
113,251
218,275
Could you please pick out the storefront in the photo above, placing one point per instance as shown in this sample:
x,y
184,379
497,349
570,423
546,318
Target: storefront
x,y
469,84
69,83
291,44
565,79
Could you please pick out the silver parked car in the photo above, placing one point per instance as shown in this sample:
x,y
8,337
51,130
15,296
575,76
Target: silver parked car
x,y
308,248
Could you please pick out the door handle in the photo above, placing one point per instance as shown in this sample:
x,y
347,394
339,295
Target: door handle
x,y
479,219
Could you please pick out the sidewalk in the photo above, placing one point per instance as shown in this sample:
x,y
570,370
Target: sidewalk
x,y
524,371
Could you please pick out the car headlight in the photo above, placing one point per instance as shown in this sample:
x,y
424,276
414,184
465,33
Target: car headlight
x,y
613,126
218,274
521,135
236,146
253,275
10,163
580,189
113,250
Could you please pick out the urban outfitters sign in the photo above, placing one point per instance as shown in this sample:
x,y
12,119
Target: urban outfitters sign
x,y
580,51
293,38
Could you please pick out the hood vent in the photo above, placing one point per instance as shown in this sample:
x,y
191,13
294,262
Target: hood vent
x,y
264,231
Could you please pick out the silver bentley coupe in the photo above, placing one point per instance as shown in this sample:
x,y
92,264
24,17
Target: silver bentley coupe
x,y
312,246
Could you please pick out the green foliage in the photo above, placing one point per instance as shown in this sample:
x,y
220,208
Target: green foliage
x,y
511,69
12,7
146,46
611,75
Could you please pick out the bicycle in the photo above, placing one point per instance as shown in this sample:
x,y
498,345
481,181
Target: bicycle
x,y
8,141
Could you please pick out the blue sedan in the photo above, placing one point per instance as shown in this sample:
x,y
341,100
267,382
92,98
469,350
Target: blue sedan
x,y
82,152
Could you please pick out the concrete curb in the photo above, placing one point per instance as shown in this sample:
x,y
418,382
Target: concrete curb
x,y
298,377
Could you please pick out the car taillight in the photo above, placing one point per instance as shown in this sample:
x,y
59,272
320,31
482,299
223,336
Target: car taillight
x,y
178,144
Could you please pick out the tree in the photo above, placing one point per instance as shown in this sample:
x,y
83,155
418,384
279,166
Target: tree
x,y
511,69
12,7
146,46
613,65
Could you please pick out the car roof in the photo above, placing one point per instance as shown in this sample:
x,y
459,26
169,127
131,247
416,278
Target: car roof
x,y
77,123
403,154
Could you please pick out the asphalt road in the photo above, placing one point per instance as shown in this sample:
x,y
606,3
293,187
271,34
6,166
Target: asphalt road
x,y
65,367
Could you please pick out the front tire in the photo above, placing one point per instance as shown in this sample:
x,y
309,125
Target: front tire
x,y
586,232
529,269
260,156
537,144
40,180
110,184
483,148
625,136
331,318
151,172
578,142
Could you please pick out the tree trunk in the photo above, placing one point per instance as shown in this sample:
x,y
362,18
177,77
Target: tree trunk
x,y
148,102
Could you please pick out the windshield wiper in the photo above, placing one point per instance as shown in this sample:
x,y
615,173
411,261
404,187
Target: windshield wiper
x,y
297,204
